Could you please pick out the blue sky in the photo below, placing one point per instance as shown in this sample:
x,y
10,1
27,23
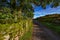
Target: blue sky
x,y
39,11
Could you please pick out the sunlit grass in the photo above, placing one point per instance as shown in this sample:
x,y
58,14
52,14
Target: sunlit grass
x,y
52,26
22,28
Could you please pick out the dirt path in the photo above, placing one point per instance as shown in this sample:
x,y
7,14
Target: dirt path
x,y
42,33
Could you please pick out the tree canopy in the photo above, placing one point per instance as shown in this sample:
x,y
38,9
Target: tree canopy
x,y
24,7
26,4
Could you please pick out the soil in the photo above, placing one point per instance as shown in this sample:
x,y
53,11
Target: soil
x,y
40,32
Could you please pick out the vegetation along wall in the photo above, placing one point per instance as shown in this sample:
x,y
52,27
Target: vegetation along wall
x,y
15,20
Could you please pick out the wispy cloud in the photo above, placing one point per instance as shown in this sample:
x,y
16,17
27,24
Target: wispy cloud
x,y
39,11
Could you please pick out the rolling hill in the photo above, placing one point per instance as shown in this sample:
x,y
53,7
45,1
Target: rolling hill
x,y
51,21
53,18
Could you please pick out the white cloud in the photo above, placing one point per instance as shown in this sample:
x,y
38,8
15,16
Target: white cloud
x,y
39,11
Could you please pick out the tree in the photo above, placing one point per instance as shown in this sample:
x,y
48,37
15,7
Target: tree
x,y
25,7
26,4
20,11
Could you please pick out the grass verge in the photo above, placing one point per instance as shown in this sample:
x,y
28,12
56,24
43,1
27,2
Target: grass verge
x,y
55,28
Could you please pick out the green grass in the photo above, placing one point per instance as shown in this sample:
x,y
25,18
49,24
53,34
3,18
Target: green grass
x,y
23,27
55,28
26,36
51,21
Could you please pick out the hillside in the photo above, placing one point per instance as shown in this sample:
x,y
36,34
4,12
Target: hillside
x,y
51,21
53,18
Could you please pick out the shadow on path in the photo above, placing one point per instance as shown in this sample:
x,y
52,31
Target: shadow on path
x,y
42,33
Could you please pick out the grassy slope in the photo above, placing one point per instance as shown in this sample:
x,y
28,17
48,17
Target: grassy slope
x,y
49,21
